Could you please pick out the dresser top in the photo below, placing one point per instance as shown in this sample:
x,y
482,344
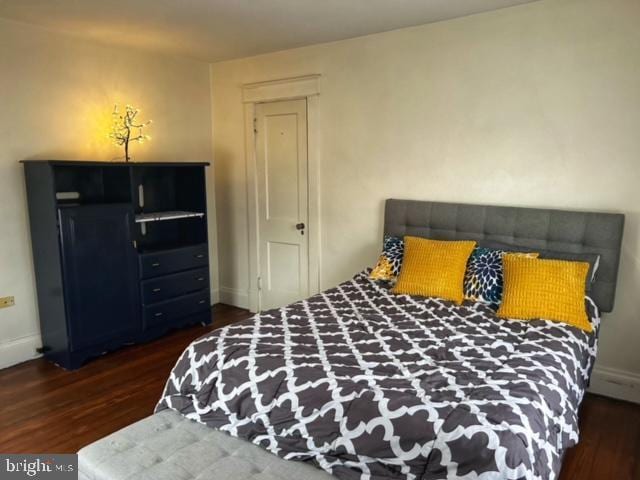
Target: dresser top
x,y
119,164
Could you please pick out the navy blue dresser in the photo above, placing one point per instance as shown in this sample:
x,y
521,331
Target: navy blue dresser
x,y
120,253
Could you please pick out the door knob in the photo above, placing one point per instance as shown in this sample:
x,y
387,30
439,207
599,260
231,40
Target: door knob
x,y
299,226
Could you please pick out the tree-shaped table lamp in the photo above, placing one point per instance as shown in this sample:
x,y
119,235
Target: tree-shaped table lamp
x,y
127,129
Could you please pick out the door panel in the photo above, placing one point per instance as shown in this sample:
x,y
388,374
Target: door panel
x,y
281,167
100,273
281,155
284,267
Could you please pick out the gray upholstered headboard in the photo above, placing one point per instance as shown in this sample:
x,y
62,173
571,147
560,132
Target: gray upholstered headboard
x,y
557,230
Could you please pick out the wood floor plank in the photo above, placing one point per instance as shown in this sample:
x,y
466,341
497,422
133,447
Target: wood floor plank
x,y
45,409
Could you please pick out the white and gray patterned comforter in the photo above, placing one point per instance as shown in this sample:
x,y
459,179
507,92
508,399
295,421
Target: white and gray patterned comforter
x,y
366,384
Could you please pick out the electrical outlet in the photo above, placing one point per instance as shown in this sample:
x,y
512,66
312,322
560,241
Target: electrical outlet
x,y
7,302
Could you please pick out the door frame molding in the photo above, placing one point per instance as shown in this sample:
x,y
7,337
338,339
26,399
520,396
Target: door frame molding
x,y
303,87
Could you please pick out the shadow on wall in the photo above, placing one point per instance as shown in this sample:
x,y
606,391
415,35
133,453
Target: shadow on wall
x,y
349,252
629,272
230,248
627,307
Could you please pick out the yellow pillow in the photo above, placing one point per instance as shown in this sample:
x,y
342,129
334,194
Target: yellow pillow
x,y
434,268
548,289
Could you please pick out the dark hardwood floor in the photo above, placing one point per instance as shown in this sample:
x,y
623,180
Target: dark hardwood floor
x,y
45,409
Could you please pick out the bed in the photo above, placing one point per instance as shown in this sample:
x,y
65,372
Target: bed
x,y
359,383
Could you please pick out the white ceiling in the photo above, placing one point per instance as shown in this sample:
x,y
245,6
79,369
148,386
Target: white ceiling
x,y
213,30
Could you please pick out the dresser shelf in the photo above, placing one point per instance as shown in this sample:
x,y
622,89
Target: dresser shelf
x,y
162,216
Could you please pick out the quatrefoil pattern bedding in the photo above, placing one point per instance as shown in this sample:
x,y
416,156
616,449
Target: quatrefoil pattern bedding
x,y
369,385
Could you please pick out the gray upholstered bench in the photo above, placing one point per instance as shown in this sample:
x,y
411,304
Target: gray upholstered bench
x,y
167,446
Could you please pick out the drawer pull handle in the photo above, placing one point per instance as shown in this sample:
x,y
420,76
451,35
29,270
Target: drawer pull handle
x,y
159,314
200,255
200,279
155,265
156,290
201,302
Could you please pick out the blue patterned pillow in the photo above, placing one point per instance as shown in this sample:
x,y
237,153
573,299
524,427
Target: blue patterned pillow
x,y
483,279
390,260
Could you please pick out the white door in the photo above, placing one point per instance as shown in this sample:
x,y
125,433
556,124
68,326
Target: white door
x,y
281,156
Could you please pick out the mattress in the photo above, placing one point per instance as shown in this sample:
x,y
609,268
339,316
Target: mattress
x,y
167,446
365,384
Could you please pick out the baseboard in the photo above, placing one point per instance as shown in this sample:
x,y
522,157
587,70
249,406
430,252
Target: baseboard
x,y
615,383
19,350
233,296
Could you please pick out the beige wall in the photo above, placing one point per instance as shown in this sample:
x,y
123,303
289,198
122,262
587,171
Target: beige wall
x,y
56,94
536,105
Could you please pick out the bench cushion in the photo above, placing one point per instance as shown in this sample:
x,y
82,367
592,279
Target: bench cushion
x,y
168,446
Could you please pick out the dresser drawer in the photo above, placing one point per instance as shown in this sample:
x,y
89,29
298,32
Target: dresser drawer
x,y
158,289
165,312
170,261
